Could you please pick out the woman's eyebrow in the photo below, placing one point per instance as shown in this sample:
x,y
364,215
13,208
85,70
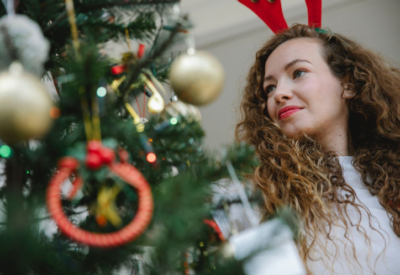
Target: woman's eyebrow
x,y
290,64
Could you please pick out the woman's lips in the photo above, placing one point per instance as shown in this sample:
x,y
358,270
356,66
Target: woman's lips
x,y
288,111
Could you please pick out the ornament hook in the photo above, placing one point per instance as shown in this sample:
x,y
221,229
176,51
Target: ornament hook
x,y
10,7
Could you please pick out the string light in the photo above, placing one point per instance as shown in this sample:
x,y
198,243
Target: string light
x,y
173,121
5,151
151,157
55,112
101,92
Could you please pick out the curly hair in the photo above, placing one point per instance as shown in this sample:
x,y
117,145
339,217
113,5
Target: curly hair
x,y
298,172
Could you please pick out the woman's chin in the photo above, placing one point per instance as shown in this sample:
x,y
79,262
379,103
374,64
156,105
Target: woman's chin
x,y
294,133
292,129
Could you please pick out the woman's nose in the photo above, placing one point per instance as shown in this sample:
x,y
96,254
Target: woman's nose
x,y
282,93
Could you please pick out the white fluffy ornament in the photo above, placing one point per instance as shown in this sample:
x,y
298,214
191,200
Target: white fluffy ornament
x,y
24,106
21,39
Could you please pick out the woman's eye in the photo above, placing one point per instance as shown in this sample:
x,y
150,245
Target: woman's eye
x,y
298,73
270,89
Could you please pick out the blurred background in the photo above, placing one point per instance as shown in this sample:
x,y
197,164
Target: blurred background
x,y
233,34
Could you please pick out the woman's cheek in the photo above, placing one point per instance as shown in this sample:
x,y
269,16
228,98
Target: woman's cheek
x,y
271,109
308,91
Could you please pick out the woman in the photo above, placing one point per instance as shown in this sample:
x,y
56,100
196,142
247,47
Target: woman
x,y
324,116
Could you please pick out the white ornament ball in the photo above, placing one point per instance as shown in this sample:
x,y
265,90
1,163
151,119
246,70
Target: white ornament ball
x,y
24,106
197,78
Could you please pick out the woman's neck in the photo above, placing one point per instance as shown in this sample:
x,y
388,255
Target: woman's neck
x,y
335,139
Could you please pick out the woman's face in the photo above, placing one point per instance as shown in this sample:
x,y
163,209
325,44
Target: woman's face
x,y
303,94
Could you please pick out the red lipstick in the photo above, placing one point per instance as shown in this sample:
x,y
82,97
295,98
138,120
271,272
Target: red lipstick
x,y
288,111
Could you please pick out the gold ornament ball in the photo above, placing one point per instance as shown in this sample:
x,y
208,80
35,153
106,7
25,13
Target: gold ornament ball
x,y
198,78
24,106
179,108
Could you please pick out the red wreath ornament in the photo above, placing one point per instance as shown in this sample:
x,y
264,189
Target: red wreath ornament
x,y
67,166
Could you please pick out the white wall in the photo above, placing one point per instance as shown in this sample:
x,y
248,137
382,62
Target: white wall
x,y
373,23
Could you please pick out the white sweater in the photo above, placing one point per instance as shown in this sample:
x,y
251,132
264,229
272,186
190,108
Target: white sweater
x,y
387,263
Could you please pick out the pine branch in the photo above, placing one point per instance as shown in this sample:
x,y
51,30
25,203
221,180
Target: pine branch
x,y
158,33
56,21
44,218
135,72
107,4
222,203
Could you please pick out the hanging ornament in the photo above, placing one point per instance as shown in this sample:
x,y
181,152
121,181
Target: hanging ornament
x,y
21,39
176,109
128,58
24,106
217,233
258,246
197,78
105,209
156,102
97,157
141,50
173,97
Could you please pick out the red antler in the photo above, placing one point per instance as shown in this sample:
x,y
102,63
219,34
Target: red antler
x,y
270,13
314,8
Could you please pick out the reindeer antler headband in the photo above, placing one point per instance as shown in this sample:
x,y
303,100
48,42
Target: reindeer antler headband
x,y
270,11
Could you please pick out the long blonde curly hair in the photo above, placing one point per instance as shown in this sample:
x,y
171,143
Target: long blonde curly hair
x,y
297,172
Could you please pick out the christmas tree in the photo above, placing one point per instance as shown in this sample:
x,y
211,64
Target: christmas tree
x,y
91,185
